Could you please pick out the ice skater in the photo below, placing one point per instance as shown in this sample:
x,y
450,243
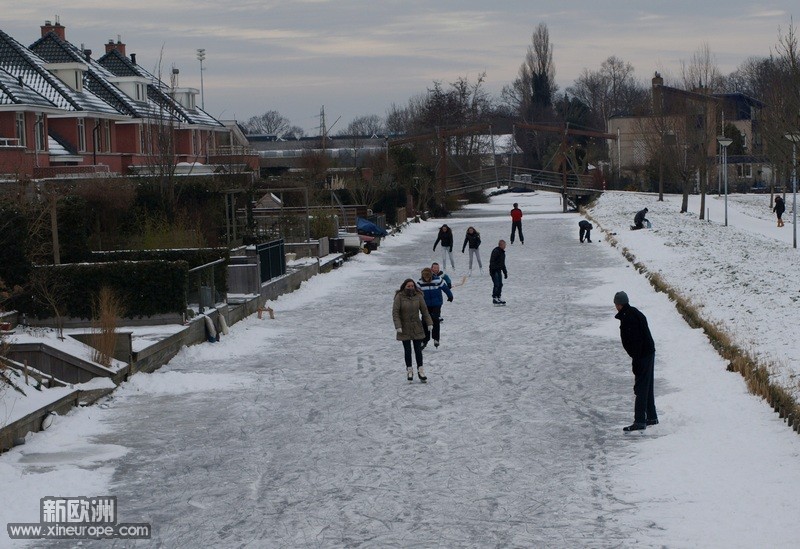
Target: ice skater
x,y
585,230
497,270
445,236
638,343
432,290
779,208
473,239
408,305
437,273
516,223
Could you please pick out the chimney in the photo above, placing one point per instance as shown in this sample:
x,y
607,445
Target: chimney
x,y
133,58
57,28
87,54
119,46
658,97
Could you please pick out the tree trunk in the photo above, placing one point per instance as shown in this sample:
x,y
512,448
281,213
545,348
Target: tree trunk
x,y
703,177
685,202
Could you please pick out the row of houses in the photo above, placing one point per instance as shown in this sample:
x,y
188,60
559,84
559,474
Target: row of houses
x,y
685,126
63,112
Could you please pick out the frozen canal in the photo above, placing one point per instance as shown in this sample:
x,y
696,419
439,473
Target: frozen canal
x,y
303,432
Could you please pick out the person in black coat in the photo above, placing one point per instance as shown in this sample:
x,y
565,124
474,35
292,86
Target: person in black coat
x,y
497,270
585,230
779,208
639,219
638,343
445,236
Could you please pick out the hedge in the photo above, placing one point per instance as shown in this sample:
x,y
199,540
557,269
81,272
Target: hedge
x,y
146,288
193,256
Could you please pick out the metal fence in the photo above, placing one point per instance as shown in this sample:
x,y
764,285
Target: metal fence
x,y
201,289
272,258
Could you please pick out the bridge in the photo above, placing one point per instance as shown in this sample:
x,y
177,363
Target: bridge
x,y
575,189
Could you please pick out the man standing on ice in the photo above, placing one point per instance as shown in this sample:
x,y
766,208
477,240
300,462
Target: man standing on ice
x,y
638,343
497,270
516,223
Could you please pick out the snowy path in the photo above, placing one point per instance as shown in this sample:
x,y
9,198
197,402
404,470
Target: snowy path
x,y
303,432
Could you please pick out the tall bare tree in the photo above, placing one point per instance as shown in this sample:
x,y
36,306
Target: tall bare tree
x,y
610,90
702,75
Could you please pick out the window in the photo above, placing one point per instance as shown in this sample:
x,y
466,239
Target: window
x,y
81,135
21,129
106,135
744,140
744,170
38,133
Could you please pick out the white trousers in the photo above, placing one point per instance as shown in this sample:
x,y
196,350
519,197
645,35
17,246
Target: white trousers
x,y
475,252
447,252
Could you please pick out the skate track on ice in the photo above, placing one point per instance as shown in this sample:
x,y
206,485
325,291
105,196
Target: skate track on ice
x,y
303,432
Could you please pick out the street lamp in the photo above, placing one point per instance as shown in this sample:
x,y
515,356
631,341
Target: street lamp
x,y
724,142
794,138
201,56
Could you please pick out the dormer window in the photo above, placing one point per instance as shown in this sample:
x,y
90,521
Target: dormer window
x,y
134,87
71,74
186,97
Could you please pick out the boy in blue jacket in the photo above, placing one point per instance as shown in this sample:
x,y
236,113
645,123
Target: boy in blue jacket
x,y
432,288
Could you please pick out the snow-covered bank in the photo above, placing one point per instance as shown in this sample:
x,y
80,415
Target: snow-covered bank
x,y
743,277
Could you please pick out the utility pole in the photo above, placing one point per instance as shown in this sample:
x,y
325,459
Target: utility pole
x,y
201,56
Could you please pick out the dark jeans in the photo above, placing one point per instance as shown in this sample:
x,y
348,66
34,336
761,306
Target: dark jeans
x,y
417,352
515,227
435,313
497,279
645,405
587,234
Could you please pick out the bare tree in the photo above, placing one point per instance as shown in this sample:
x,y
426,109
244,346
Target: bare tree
x,y
531,94
610,90
701,75
702,71
270,123
367,125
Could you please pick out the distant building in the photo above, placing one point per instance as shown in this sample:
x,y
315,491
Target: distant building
x,y
62,112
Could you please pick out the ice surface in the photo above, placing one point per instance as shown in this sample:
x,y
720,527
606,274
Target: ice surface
x,y
303,432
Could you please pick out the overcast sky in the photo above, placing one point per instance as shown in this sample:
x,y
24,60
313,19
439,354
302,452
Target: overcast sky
x,y
357,57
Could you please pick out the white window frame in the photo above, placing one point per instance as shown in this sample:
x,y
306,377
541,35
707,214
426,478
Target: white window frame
x,y
106,135
81,135
38,133
21,129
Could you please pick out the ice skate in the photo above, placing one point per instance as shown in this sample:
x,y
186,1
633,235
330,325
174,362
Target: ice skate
x,y
410,373
635,427
421,374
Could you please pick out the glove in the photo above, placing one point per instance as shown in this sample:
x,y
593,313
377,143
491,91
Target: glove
x,y
399,330
505,275
462,251
450,299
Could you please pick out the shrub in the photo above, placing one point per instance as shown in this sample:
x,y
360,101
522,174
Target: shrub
x,y
107,309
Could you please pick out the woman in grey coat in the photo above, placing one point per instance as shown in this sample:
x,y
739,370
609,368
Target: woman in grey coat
x,y
408,305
